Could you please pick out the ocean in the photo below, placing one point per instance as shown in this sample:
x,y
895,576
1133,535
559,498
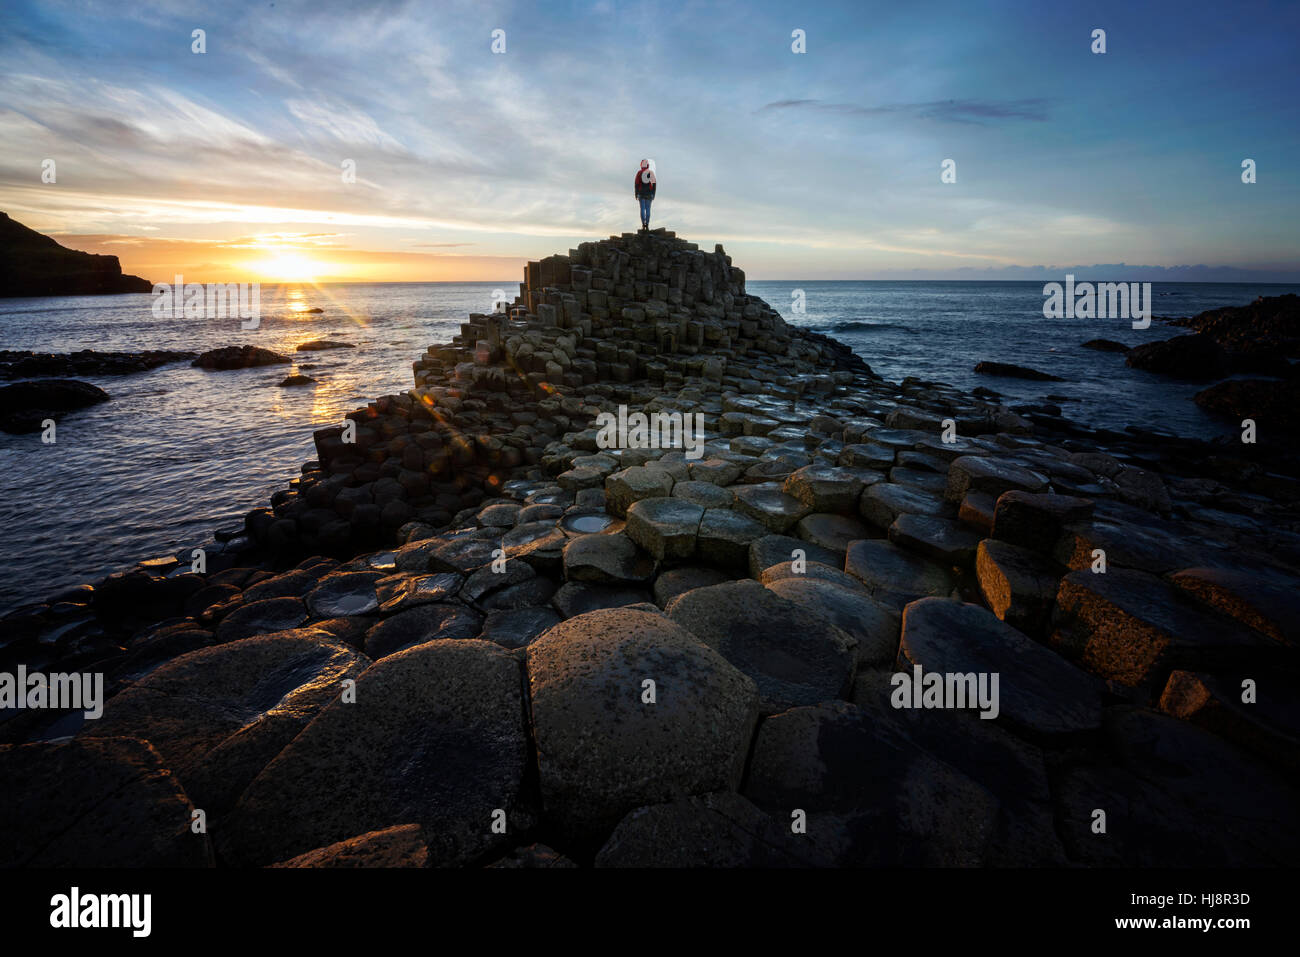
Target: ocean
x,y
180,452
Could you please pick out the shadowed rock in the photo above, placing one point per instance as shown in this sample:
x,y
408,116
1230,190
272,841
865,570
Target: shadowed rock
x,y
769,639
1263,599
25,406
1019,585
677,581
721,829
870,801
96,802
400,846
941,539
1010,768
601,748
978,473
218,715
435,737
238,357
724,537
1135,628
831,532
1035,520
1173,797
1038,691
1012,371
1268,723
774,549
881,504
874,626
1196,358
421,624
517,627
609,559
896,576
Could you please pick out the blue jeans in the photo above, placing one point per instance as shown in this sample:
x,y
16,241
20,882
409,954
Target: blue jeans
x,y
645,210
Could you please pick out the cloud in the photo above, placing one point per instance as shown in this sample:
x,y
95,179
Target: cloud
x,y
1033,109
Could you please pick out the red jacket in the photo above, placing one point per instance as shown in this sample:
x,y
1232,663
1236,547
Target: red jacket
x,y
643,189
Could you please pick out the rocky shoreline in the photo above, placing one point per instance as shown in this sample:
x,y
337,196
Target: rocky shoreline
x,y
433,647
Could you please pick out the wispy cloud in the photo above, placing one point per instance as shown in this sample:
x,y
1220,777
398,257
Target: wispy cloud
x,y
951,111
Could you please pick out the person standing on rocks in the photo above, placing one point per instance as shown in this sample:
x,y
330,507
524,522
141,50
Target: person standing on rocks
x,y
645,183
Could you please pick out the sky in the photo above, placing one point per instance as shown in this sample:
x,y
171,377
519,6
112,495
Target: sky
x,y
228,165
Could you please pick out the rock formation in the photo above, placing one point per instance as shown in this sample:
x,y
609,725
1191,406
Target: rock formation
x,y
628,656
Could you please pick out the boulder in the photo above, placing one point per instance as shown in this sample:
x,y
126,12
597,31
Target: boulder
x,y
609,559
873,625
1009,370
219,714
1196,358
434,737
983,473
720,829
664,527
771,507
24,406
869,801
771,640
602,747
419,625
238,357
1270,403
895,576
1134,628
1035,520
1019,585
1037,691
724,537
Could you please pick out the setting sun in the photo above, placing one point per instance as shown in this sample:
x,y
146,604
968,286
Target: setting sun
x,y
287,266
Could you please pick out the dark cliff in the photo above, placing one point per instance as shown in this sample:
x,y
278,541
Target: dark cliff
x,y
32,264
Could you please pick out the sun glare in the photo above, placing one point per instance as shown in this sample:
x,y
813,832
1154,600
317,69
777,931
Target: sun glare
x,y
287,266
